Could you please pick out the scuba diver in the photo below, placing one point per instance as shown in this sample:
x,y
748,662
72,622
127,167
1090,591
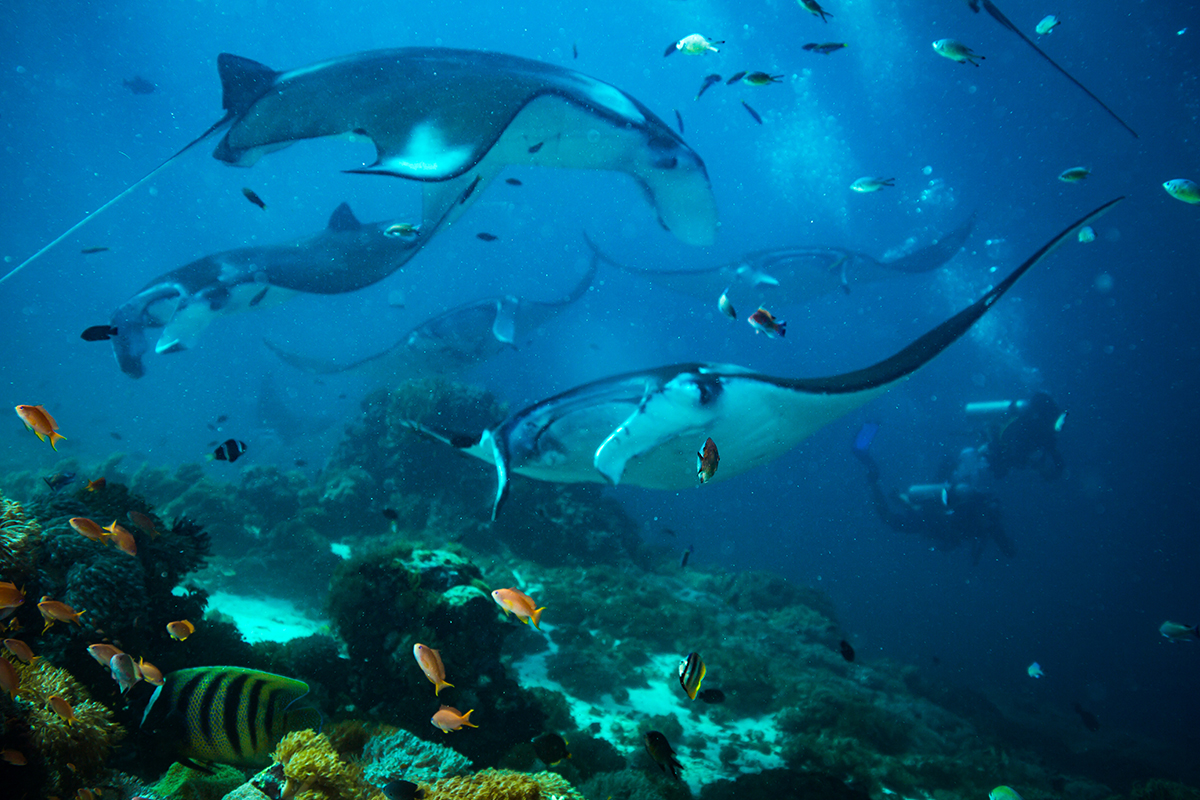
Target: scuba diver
x,y
962,508
1026,437
958,511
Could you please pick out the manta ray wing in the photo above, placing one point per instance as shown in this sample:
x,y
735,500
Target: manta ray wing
x,y
455,339
798,274
643,428
439,115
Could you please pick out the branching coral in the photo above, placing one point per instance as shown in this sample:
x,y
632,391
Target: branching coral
x,y
85,742
503,784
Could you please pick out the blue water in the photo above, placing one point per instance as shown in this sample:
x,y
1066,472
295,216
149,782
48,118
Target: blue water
x,y
1106,554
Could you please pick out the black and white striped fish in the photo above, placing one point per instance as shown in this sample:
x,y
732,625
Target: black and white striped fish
x,y
691,672
230,715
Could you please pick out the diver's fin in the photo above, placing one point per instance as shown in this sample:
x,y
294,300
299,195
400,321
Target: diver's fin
x,y
1006,22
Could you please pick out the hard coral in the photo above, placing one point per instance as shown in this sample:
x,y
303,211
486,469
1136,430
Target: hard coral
x,y
86,742
502,784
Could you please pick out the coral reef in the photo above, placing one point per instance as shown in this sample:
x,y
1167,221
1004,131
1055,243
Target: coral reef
x,y
19,538
130,598
502,784
406,756
32,727
383,601
312,770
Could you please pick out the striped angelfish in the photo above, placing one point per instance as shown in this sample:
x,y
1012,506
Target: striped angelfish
x,y
691,672
230,715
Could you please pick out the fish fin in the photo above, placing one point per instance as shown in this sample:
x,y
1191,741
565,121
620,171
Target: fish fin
x,y
343,219
536,616
243,82
443,202
665,412
500,458
54,437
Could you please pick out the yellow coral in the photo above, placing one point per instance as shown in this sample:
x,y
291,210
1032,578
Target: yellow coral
x,y
85,743
503,784
314,771
19,535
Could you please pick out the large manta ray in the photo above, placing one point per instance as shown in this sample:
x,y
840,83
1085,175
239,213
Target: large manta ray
x,y
999,16
456,339
454,119
348,255
644,428
787,275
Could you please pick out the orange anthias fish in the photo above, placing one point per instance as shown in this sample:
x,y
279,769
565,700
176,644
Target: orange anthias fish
x,y
103,653
54,611
123,538
38,420
707,461
10,681
10,595
62,707
20,650
144,522
430,661
448,719
764,321
150,673
180,629
519,603
14,757
96,485
92,530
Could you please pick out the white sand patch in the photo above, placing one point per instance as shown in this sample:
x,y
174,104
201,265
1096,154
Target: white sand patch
x,y
619,721
265,619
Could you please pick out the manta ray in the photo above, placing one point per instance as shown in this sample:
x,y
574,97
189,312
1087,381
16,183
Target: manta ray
x,y
453,119
787,275
644,428
456,339
348,255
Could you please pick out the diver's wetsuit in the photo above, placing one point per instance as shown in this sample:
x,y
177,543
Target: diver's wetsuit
x,y
969,516
1027,439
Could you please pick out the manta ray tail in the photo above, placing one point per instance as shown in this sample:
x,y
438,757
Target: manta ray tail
x,y
235,94
1006,22
924,349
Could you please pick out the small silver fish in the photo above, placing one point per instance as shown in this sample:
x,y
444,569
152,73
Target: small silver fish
x,y
726,305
